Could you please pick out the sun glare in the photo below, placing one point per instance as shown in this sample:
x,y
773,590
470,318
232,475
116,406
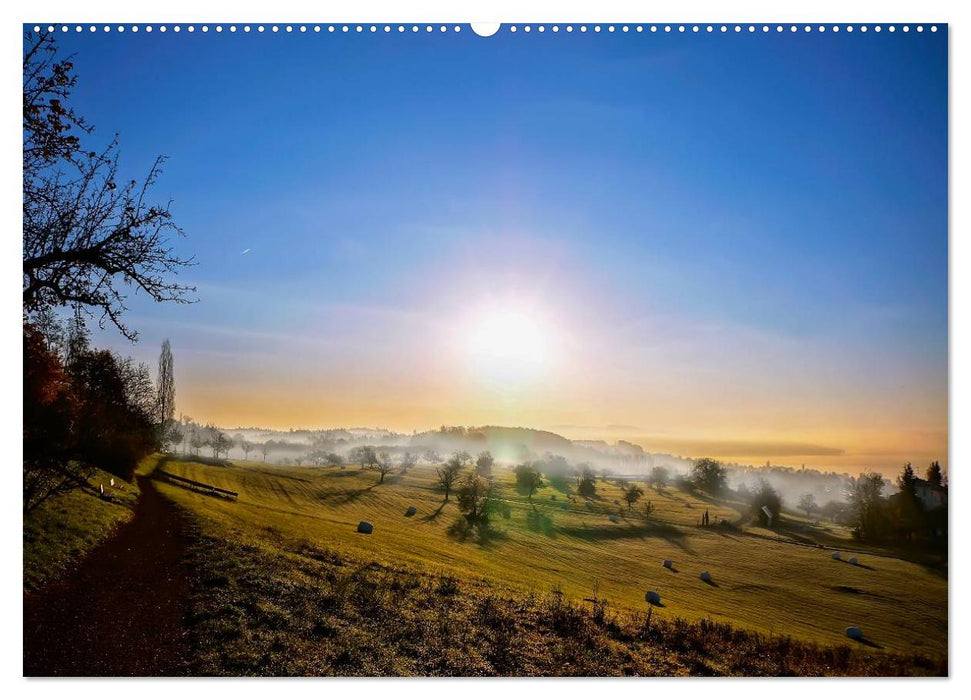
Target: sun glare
x,y
507,345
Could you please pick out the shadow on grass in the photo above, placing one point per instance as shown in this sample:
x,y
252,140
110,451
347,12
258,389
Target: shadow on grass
x,y
484,535
275,475
560,483
867,642
858,565
340,498
435,514
724,532
88,488
198,459
540,522
641,531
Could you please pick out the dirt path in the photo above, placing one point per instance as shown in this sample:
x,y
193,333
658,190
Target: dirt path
x,y
121,612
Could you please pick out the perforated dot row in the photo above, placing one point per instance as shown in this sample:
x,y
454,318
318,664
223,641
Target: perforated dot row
x,y
541,28
721,28
258,28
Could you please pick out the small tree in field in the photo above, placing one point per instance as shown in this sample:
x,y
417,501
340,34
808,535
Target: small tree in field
x,y
709,476
865,496
408,460
221,444
483,465
449,472
586,480
265,449
658,478
807,502
475,498
212,438
247,447
383,466
174,435
196,441
632,495
529,478
365,456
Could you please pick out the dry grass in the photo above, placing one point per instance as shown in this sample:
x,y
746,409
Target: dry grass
x,y
773,588
280,609
62,530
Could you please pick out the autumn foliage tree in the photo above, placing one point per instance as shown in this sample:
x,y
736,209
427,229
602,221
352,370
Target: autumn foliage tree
x,y
90,237
115,425
50,422
83,409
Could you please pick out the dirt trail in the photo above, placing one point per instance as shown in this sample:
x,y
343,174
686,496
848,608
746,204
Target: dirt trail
x,y
121,612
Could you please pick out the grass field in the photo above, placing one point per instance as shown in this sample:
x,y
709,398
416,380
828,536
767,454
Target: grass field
x,y
63,529
759,582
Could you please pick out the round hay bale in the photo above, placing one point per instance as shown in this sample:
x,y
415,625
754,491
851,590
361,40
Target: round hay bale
x,y
612,518
854,560
854,633
653,597
705,576
411,511
836,556
668,564
365,527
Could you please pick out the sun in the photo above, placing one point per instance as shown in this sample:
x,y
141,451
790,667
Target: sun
x,y
507,345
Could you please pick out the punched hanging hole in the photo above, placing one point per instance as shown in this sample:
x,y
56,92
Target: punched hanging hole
x,y
485,28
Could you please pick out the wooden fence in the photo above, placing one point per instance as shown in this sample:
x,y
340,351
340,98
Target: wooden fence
x,y
199,486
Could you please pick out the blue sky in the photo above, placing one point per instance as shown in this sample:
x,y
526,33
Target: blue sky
x,y
754,221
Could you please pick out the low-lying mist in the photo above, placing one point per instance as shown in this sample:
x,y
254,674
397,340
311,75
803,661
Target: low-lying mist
x,y
510,446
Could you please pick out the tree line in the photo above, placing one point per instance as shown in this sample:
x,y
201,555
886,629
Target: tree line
x,y
906,516
90,236
86,409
